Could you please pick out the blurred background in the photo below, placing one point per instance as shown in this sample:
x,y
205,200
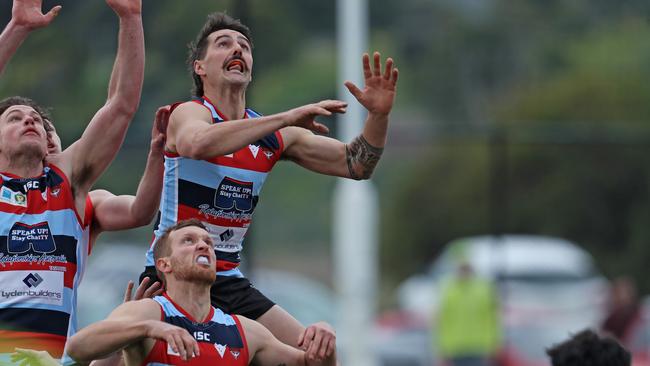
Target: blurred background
x,y
519,134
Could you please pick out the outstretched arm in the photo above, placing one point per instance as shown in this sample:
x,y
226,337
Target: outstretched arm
x,y
265,349
357,159
192,133
143,291
127,212
26,16
129,323
89,156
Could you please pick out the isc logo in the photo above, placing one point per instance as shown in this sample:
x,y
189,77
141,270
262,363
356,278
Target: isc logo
x,y
32,184
202,336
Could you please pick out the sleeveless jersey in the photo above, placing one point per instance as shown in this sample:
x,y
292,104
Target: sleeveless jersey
x,y
43,252
221,192
220,337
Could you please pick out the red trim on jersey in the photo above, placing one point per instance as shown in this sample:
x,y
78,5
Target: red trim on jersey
x,y
278,135
226,265
243,336
68,275
170,154
53,344
89,214
187,315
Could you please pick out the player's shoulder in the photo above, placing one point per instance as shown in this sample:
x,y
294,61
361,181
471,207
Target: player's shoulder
x,y
144,309
189,109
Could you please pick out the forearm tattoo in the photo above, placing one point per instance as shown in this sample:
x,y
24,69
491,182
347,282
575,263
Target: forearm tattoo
x,y
361,158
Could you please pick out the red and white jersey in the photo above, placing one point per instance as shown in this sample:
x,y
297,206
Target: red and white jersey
x,y
221,192
220,338
44,247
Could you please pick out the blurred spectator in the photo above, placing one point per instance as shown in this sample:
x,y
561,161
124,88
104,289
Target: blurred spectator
x,y
468,331
588,349
624,309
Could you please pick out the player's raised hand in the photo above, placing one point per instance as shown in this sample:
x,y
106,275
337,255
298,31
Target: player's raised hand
x,y
159,130
304,116
124,8
144,291
29,14
378,94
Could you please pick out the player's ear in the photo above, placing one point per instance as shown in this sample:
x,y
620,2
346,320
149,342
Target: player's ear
x,y
163,265
198,68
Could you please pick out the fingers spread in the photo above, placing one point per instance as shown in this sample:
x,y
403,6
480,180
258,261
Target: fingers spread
x,y
394,77
53,13
388,68
152,291
127,292
354,90
366,66
377,64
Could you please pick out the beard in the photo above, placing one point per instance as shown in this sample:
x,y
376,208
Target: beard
x,y
27,154
193,273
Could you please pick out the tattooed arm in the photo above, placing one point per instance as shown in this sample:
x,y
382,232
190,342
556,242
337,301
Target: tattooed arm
x,y
356,160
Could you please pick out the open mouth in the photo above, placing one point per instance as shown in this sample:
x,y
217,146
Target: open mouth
x,y
30,131
203,259
236,65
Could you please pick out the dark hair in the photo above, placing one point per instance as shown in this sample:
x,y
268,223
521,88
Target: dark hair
x,y
17,100
588,349
163,245
197,49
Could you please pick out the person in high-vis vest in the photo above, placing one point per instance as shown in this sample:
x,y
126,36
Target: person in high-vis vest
x,y
468,329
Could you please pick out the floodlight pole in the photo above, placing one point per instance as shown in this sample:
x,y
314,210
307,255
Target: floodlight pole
x,y
356,208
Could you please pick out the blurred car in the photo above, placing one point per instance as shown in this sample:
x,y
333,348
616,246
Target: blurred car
x,y
509,258
403,338
548,288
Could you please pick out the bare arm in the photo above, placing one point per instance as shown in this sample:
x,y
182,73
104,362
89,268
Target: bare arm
x,y
26,16
357,159
143,291
89,156
127,212
129,323
265,349
192,134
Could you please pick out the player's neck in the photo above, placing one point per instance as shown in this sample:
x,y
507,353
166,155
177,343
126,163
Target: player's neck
x,y
229,99
24,165
194,298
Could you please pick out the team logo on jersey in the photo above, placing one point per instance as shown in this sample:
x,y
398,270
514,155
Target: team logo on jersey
x,y
254,150
170,351
221,349
233,194
13,198
235,354
33,280
227,235
23,237
268,154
